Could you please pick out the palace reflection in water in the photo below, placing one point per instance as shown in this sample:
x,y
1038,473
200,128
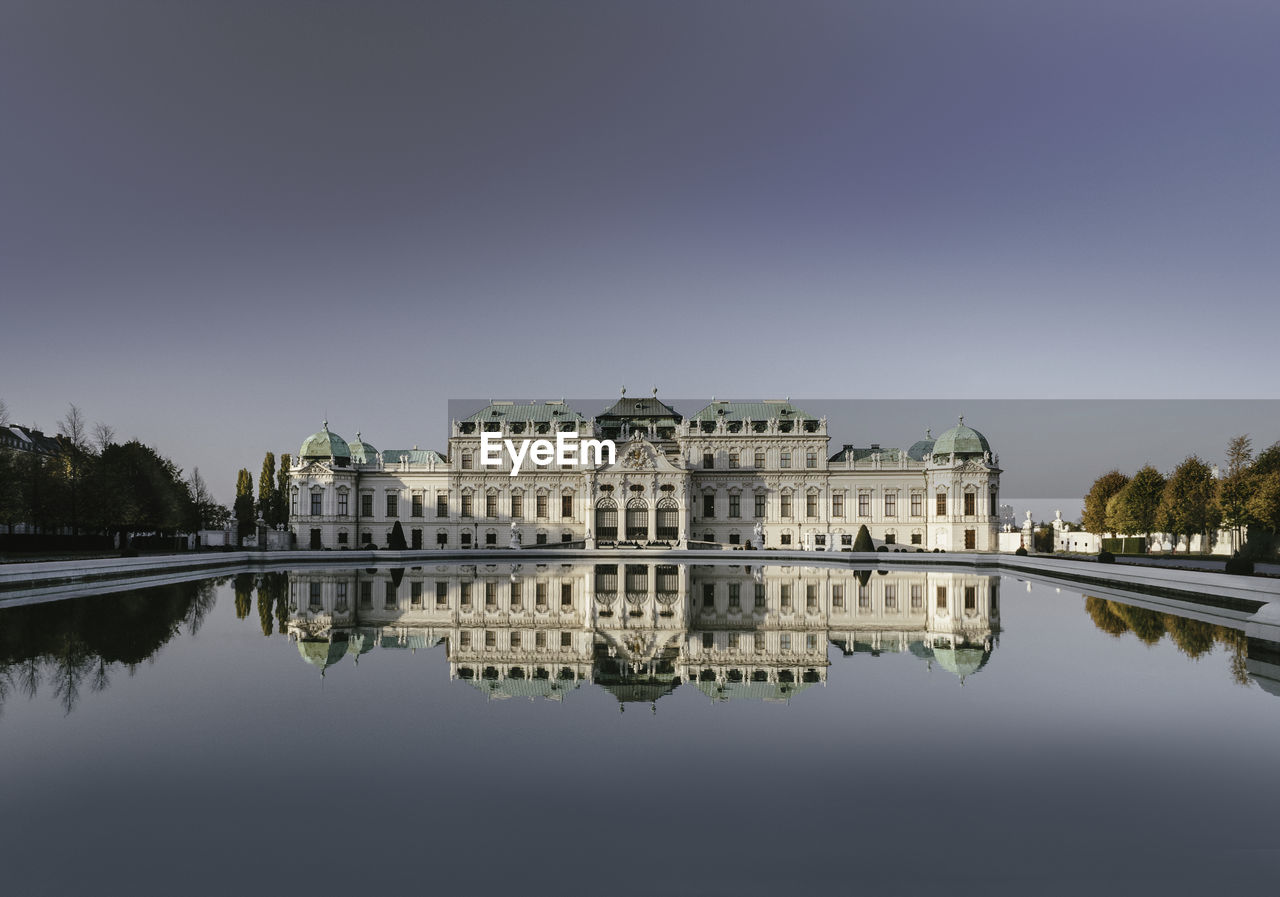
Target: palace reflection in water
x,y
640,630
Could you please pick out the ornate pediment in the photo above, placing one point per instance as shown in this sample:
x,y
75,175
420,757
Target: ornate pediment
x,y
639,455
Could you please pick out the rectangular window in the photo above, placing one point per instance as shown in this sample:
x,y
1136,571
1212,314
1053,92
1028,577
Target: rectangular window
x,y
366,504
971,539
415,505
415,594
837,597
786,504
917,504
735,599
759,596
540,596
515,640
708,460
709,597
566,506
517,505
864,598
316,499
708,505
566,595
491,504
917,596
940,505
811,504
442,594
785,538
540,506
891,538
970,504
760,458
342,537
540,639
837,504
811,642
466,594
811,459
890,597
942,598
733,641
393,505
366,595
760,500
864,504
811,597
784,642
970,597
466,460
735,505
342,597
733,460
315,596
784,459
786,596
490,595
466,504
708,641
891,504
917,538
759,642
389,601
442,504
566,640
342,504
490,638
515,596
464,639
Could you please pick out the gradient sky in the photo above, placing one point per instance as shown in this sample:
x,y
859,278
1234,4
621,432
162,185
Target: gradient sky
x,y
221,222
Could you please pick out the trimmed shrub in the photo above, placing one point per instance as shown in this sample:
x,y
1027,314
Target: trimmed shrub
x,y
1021,552
883,548
1240,566
395,541
862,542
1106,557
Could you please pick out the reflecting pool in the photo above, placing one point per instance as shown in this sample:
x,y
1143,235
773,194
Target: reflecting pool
x,y
699,729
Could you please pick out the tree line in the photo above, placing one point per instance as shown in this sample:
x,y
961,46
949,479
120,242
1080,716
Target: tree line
x,y
92,483
1244,498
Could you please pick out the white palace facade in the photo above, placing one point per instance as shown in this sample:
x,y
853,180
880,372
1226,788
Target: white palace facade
x,y
732,475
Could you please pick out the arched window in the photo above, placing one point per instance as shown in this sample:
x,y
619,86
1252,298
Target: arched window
x,y
607,519
668,520
637,519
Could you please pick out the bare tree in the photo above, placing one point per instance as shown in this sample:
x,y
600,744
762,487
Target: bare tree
x,y
4,414
74,428
103,436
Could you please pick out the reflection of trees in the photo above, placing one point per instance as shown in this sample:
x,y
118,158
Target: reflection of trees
x,y
244,594
273,592
1193,638
71,645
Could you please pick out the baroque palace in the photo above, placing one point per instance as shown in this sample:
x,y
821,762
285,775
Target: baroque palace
x,y
733,474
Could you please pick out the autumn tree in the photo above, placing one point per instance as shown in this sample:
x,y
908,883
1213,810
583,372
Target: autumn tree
x,y
1095,503
1187,506
1133,510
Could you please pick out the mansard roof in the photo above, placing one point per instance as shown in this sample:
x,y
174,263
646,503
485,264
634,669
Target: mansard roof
x,y
768,409
25,439
856,453
413,456
645,407
538,412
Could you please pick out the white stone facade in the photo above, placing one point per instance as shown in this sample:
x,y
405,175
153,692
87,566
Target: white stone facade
x,y
721,476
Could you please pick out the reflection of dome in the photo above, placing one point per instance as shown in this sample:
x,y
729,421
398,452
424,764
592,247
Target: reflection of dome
x,y
962,440
361,452
321,654
962,660
324,445
921,449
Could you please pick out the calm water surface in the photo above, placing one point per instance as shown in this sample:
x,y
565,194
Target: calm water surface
x,y
631,729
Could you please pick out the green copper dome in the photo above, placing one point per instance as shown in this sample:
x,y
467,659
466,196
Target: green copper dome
x,y
324,445
962,440
361,451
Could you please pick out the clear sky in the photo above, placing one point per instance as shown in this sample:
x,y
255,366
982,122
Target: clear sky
x,y
221,222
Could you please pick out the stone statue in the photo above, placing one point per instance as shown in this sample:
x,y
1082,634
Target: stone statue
x,y
514,541
757,538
